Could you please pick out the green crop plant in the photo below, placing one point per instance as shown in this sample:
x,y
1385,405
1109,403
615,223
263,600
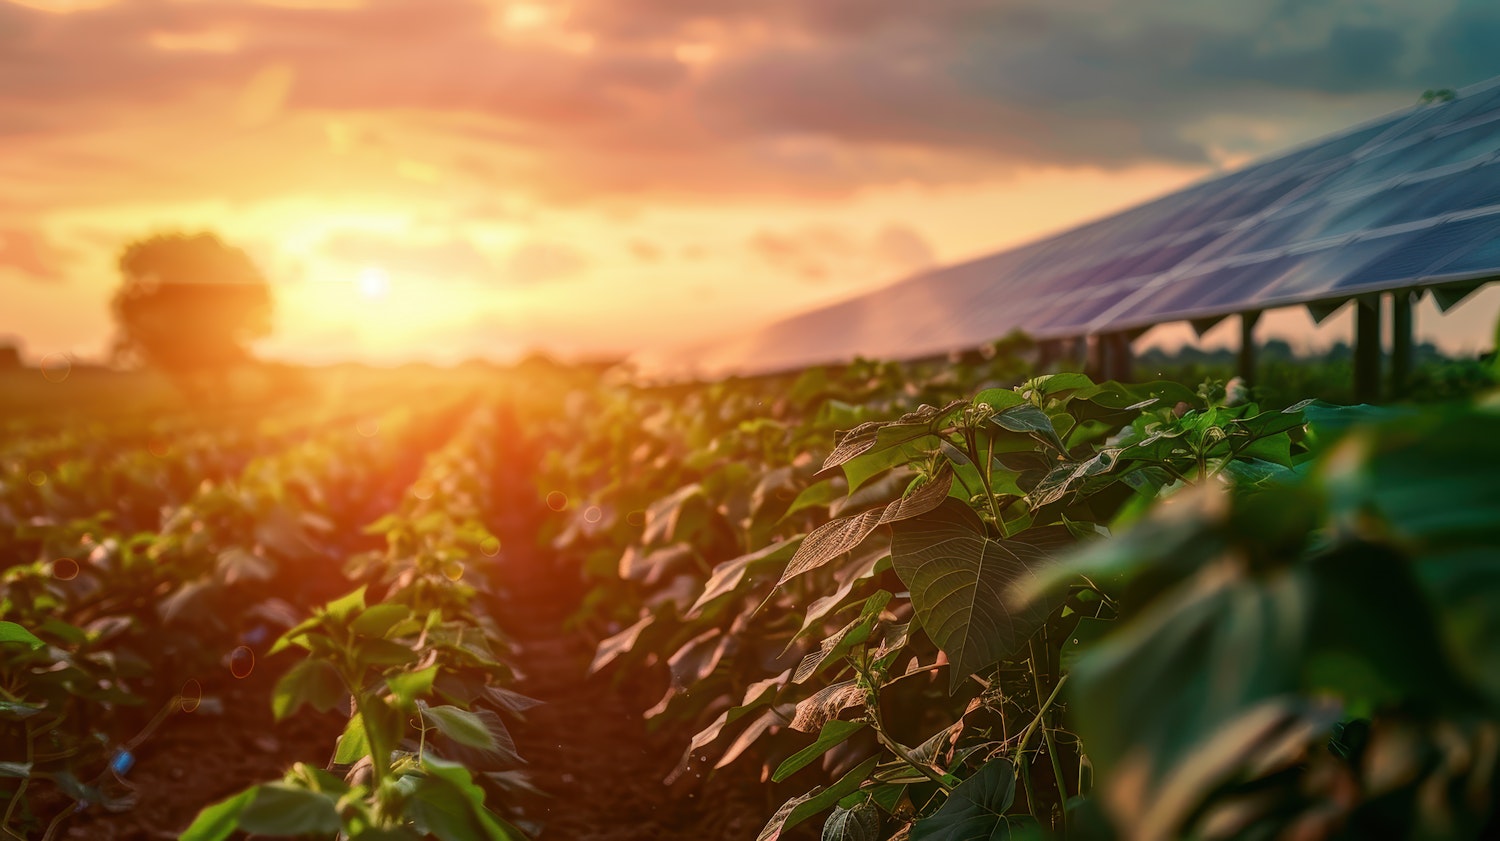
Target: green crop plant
x,y
409,758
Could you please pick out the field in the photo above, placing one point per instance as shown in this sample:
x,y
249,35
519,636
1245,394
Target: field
x,y
925,601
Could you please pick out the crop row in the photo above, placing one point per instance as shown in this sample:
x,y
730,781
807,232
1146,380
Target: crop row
x,y
925,615
117,619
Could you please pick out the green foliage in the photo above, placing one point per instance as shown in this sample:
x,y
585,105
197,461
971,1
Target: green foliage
x,y
1319,651
851,577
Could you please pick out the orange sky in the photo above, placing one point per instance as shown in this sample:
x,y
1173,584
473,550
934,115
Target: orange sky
x,y
440,179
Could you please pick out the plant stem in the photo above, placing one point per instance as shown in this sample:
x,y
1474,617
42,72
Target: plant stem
x,y
21,786
872,706
1036,722
1057,775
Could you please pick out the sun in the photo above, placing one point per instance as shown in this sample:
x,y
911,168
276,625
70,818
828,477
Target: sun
x,y
374,282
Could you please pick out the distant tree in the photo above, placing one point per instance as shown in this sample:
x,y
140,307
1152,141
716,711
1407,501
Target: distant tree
x,y
189,305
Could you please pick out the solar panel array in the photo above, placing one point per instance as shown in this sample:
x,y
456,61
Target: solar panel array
x,y
1410,200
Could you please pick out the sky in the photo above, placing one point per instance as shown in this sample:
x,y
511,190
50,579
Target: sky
x,y
445,179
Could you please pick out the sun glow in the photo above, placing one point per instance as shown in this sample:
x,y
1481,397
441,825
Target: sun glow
x,y
374,282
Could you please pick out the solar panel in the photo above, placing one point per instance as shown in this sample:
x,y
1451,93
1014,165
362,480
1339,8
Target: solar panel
x,y
1409,199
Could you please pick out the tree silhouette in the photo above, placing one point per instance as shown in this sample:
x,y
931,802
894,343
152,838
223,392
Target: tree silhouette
x,y
189,305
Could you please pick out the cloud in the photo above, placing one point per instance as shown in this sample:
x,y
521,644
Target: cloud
x,y
692,97
821,253
436,260
536,261
32,254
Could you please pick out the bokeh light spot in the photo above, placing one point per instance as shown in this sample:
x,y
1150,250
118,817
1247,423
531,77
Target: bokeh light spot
x,y
37,477
454,570
636,518
557,500
56,367
241,662
592,514
368,427
190,696
490,546
65,569
422,489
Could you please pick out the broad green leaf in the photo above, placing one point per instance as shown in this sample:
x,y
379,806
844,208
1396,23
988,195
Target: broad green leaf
x,y
825,704
281,809
450,805
727,576
409,686
313,682
219,821
874,447
698,657
1068,475
999,398
1088,632
462,726
10,632
802,807
922,500
1032,421
829,541
1053,385
815,495
861,823
346,606
835,732
379,652
376,620
861,568
833,648
975,810
610,649
962,582
834,538
759,694
353,744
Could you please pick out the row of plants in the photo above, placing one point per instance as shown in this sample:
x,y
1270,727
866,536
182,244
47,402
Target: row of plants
x,y
422,671
124,477
849,615
133,619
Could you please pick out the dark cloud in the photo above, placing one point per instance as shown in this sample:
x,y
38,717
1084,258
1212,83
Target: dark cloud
x,y
1466,46
792,95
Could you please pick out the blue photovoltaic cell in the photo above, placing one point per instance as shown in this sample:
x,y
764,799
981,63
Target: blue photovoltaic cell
x,y
1474,142
1427,252
1463,191
1365,210
1319,273
1482,259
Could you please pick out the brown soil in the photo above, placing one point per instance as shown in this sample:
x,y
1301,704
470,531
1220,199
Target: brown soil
x,y
588,747
198,758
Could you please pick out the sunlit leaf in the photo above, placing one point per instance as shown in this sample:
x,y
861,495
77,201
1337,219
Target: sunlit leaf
x,y
961,583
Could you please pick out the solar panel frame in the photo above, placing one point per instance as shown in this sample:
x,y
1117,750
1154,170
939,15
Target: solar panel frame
x,y
1401,201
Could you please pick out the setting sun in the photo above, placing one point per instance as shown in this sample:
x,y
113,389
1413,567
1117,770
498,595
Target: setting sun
x,y
374,282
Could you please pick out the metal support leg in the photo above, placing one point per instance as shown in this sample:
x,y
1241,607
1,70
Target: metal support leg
x,y
1367,350
1247,346
1401,342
